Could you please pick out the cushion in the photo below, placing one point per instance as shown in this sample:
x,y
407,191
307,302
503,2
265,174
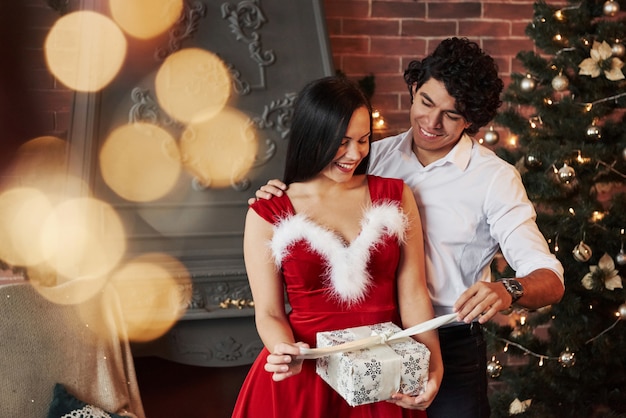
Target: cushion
x,y
65,405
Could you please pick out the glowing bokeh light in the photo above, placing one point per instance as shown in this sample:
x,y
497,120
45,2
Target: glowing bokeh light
x,y
83,237
221,150
42,163
154,291
85,50
64,291
22,213
192,85
145,19
140,162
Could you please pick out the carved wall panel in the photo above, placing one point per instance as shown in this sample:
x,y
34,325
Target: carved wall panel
x,y
271,49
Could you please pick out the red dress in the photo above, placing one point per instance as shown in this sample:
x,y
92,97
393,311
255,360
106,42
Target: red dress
x,y
314,263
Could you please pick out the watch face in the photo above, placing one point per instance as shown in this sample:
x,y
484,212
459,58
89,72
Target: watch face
x,y
514,288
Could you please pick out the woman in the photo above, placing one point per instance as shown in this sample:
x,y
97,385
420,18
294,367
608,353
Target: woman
x,y
346,248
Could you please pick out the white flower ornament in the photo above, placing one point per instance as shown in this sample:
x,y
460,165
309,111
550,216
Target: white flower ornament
x,y
518,407
605,271
602,57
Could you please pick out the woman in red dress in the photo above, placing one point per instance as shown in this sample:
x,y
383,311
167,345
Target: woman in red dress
x,y
345,248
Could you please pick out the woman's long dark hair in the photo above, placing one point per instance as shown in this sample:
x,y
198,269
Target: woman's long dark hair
x,y
322,112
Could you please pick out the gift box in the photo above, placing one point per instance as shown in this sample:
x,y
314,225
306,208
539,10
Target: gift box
x,y
376,372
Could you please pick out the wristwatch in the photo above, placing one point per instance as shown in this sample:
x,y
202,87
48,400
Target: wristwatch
x,y
515,289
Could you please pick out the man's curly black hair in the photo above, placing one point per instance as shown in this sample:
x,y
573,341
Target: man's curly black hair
x,y
470,76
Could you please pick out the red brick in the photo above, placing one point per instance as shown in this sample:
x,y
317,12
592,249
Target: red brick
x,y
358,8
504,64
399,9
500,47
56,99
396,45
492,28
350,44
508,11
333,26
390,83
428,28
371,27
370,64
450,10
40,80
519,28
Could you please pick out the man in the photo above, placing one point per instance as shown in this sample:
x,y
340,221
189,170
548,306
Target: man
x,y
471,203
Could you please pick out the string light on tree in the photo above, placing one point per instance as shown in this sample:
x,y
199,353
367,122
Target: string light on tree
x,y
618,49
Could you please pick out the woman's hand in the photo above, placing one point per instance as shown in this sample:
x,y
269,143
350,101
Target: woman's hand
x,y
420,402
282,362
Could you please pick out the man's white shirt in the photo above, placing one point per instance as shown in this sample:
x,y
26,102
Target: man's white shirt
x,y
471,203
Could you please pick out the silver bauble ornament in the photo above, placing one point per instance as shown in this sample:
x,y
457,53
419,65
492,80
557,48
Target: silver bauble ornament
x,y
527,84
618,50
620,258
491,137
494,368
610,8
567,358
532,161
566,174
582,252
593,132
560,82
621,310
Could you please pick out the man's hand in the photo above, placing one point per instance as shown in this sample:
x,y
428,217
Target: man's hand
x,y
273,187
482,300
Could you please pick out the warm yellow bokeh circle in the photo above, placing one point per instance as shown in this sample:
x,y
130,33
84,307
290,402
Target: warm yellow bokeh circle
x,y
145,19
83,237
85,50
140,162
154,291
192,85
220,151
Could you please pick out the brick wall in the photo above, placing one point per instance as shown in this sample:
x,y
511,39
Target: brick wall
x,y
368,37
380,37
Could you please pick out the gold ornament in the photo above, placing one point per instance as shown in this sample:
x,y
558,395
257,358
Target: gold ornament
x,y
621,310
527,83
567,359
610,8
560,82
494,368
593,132
582,252
532,161
566,174
491,136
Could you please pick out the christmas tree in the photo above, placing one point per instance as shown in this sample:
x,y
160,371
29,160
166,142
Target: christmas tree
x,y
567,120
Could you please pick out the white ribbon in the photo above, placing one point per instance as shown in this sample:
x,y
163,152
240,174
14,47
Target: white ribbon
x,y
313,353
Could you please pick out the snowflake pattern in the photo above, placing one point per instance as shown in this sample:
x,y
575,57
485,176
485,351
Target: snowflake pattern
x,y
357,375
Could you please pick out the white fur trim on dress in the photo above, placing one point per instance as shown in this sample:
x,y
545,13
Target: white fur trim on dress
x,y
346,264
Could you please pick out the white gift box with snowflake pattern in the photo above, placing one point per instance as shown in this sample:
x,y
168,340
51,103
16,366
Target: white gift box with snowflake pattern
x,y
375,373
